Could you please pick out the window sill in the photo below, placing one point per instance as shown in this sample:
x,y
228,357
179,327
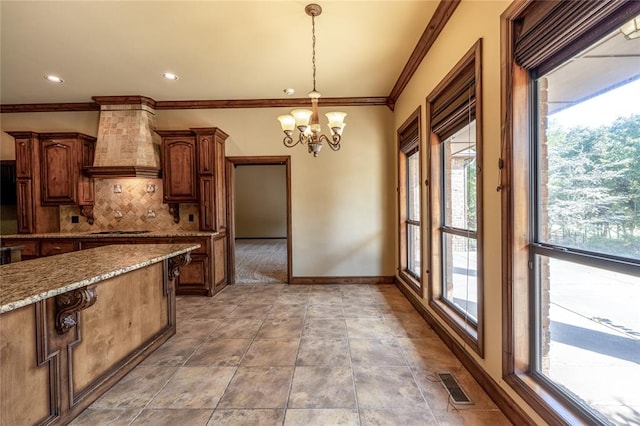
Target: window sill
x,y
412,282
462,328
552,409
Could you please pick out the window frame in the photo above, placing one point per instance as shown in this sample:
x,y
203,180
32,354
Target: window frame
x,y
518,198
405,150
452,231
442,123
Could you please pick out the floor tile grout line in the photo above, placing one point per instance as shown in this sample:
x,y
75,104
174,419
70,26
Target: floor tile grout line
x,y
165,384
237,368
156,394
202,342
295,363
353,374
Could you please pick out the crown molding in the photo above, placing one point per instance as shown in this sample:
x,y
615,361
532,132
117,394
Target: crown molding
x,y
270,103
435,26
53,107
194,104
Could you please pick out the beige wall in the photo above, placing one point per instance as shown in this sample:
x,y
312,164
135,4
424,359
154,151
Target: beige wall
x,y
479,19
342,202
261,201
7,147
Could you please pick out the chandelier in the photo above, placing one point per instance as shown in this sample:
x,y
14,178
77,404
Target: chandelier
x,y
306,121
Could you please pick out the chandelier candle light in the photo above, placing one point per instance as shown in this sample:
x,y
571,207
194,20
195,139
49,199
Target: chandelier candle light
x,y
306,121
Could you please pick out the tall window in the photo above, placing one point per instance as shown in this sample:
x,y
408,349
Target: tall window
x,y
454,117
409,201
458,236
574,261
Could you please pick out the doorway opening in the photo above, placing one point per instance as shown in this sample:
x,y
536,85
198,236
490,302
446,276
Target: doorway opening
x,y
8,198
259,209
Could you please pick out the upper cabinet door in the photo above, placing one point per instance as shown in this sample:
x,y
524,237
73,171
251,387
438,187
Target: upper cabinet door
x,y
24,149
205,155
179,169
25,205
86,187
59,172
221,186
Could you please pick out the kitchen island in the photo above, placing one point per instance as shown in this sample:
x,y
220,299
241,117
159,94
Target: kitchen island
x,y
205,275
74,324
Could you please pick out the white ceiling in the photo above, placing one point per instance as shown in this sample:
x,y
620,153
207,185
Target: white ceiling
x,y
219,49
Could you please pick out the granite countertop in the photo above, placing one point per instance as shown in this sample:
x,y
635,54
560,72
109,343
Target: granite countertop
x,y
24,283
94,234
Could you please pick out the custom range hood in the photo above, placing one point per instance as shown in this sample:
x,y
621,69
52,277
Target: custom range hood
x,y
127,144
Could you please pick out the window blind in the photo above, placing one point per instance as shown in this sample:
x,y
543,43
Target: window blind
x,y
451,106
409,137
551,32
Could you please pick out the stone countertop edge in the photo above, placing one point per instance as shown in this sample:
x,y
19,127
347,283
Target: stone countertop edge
x,y
90,234
27,282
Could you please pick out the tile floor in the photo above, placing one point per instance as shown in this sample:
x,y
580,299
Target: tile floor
x,y
275,354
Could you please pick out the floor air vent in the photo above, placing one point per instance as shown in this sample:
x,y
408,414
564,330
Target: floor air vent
x,y
458,396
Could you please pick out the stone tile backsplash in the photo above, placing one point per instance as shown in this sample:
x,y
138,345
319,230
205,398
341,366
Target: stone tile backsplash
x,y
137,209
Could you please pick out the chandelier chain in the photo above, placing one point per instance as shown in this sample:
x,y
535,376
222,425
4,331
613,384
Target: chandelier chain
x,y
313,49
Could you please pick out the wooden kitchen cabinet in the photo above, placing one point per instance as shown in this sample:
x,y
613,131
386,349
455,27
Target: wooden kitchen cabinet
x,y
63,157
86,187
59,173
54,247
30,248
49,174
193,167
24,205
211,175
221,183
41,247
33,215
195,278
25,142
179,167
220,266
194,170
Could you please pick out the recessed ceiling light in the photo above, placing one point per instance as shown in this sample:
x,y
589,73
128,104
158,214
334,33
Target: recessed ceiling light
x,y
54,78
170,76
289,91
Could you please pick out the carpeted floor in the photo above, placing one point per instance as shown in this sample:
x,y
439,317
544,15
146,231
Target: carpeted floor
x,y
261,261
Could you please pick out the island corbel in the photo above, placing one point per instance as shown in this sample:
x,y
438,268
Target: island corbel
x,y
70,303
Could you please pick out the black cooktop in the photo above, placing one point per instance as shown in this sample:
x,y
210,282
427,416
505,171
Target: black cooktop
x,y
121,232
